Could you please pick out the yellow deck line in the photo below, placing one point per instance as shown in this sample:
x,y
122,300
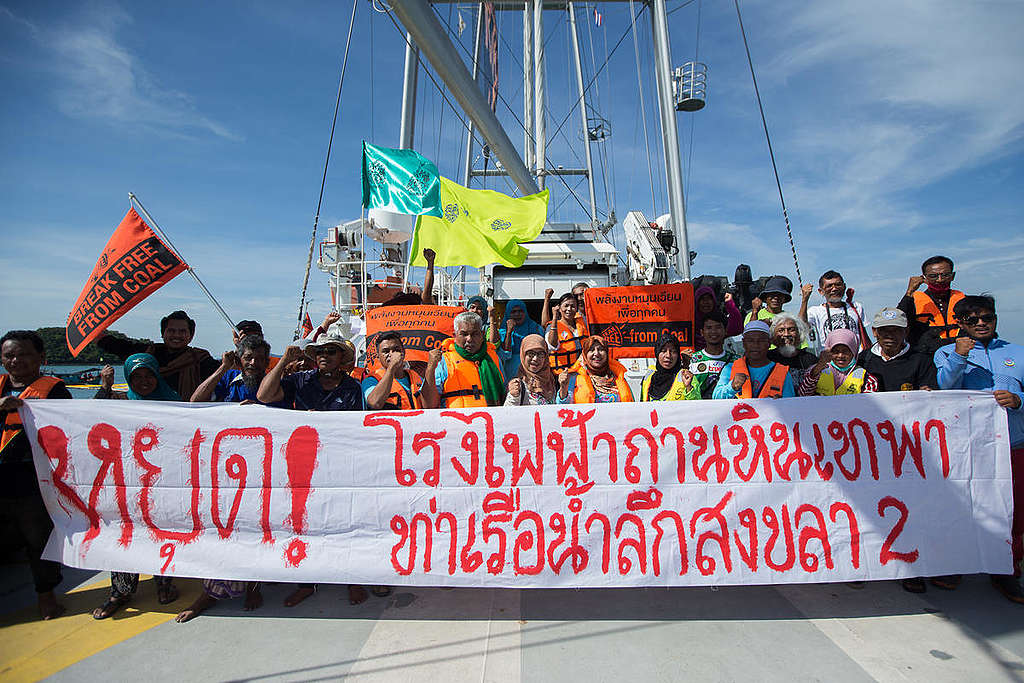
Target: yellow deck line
x,y
32,649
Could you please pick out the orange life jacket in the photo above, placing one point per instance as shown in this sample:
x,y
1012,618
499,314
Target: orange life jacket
x,y
772,387
359,374
12,421
927,312
463,389
570,344
401,398
584,390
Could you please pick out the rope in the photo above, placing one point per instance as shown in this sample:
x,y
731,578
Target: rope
x,y
771,153
323,180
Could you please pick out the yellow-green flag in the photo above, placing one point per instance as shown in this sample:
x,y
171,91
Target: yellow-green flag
x,y
479,227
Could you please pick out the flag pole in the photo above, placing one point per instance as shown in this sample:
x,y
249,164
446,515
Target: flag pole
x,y
133,200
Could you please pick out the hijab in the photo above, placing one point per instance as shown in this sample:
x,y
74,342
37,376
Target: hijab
x,y
527,328
661,380
163,391
602,377
483,302
537,383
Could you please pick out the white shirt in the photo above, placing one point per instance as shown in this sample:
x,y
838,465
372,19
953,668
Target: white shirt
x,y
827,317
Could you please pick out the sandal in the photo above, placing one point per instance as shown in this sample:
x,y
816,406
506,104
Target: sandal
x,y
111,606
381,591
356,594
166,593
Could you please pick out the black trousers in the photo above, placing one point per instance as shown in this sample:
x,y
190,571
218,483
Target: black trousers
x,y
25,518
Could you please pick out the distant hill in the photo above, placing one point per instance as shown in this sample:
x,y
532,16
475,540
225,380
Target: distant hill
x,y
57,348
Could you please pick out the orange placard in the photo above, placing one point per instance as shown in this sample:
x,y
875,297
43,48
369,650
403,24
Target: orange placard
x,y
632,318
422,328
134,264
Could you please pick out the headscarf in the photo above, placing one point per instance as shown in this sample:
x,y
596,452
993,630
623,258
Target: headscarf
x,y
490,376
602,378
483,303
661,380
848,339
528,327
537,383
698,317
163,391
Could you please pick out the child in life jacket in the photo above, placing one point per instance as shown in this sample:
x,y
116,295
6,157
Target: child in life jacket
x,y
836,372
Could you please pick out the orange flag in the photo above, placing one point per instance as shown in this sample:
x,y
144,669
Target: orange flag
x,y
134,264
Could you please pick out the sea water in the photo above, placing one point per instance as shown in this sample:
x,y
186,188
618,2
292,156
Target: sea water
x,y
83,393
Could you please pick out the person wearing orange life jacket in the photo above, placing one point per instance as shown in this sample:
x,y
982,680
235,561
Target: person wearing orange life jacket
x,y
595,377
466,371
930,312
753,375
22,511
396,387
565,334
836,373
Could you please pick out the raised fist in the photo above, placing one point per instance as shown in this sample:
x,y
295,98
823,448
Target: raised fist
x,y
964,345
515,387
915,283
738,381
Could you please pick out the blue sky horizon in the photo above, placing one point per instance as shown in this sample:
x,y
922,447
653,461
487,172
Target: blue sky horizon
x,y
898,130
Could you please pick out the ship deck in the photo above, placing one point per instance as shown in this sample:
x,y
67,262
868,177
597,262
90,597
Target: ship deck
x,y
766,633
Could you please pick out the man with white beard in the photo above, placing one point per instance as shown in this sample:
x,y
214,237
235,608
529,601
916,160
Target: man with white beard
x,y
788,335
838,312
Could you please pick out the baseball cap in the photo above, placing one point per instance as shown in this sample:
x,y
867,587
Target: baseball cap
x,y
889,317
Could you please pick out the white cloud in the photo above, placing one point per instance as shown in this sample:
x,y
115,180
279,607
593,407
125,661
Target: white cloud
x,y
100,78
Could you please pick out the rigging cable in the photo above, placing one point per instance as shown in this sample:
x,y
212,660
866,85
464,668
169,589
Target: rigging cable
x,y
323,180
643,109
764,122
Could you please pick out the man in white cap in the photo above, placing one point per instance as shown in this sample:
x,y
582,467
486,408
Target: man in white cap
x,y
753,375
892,361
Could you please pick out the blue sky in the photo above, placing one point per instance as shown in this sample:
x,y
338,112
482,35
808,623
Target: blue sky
x,y
897,129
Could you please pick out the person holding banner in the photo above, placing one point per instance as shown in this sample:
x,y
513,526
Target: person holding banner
x,y
22,511
396,387
595,377
670,379
516,326
535,383
182,366
142,372
836,373
326,387
466,371
565,334
753,375
979,359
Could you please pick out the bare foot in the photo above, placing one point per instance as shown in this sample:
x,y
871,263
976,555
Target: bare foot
x,y
253,597
49,608
298,595
356,594
201,604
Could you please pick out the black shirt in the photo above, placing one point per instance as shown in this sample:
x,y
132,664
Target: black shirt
x,y
801,361
17,473
906,372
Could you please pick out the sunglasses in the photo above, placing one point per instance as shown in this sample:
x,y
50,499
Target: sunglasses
x,y
975,319
327,351
935,277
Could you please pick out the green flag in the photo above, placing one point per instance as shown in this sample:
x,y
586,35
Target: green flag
x,y
400,180
479,227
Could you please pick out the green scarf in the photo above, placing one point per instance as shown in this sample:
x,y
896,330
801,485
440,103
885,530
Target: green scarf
x,y
490,377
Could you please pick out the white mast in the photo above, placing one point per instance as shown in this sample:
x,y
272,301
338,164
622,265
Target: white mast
x,y
539,95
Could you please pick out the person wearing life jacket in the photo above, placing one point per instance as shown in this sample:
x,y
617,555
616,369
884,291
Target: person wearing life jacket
x,y
836,373
396,386
930,312
466,371
595,377
23,514
565,334
670,379
753,375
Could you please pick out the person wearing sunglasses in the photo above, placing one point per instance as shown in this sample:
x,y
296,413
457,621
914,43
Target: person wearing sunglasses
x,y
326,387
930,311
979,359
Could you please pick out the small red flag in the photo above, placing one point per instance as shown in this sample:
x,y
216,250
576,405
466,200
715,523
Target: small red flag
x,y
307,326
134,264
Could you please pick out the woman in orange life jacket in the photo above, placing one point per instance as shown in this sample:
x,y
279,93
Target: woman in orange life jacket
x,y
142,371
836,372
23,514
595,377
565,334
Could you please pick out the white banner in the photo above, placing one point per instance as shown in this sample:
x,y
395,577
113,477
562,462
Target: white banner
x,y
877,486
